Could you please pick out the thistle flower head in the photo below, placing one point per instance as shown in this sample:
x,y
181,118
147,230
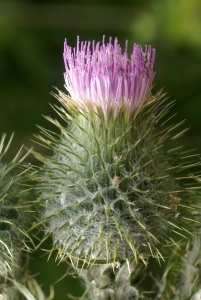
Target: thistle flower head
x,y
103,76
113,192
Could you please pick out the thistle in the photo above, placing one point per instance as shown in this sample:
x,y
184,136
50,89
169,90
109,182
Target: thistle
x,y
14,209
109,194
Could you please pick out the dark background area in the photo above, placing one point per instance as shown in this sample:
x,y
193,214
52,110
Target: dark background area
x,y
31,64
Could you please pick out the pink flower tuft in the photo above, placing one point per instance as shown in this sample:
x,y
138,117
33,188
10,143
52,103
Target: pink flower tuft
x,y
103,76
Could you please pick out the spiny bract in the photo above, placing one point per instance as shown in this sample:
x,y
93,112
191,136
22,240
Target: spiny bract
x,y
14,207
109,192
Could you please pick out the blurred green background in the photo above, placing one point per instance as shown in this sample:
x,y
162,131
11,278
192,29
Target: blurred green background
x,y
31,64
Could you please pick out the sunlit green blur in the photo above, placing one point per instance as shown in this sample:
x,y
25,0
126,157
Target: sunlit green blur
x,y
31,65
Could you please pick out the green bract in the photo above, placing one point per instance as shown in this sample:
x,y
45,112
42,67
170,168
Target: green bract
x,y
109,193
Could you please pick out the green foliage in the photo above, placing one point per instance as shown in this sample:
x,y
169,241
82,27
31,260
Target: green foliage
x,y
106,282
180,279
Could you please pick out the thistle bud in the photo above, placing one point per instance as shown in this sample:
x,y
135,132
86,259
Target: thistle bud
x,y
14,209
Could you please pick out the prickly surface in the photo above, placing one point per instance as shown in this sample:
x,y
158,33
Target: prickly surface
x,y
108,193
14,216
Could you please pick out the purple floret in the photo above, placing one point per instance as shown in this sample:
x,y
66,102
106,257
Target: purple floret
x,y
102,76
